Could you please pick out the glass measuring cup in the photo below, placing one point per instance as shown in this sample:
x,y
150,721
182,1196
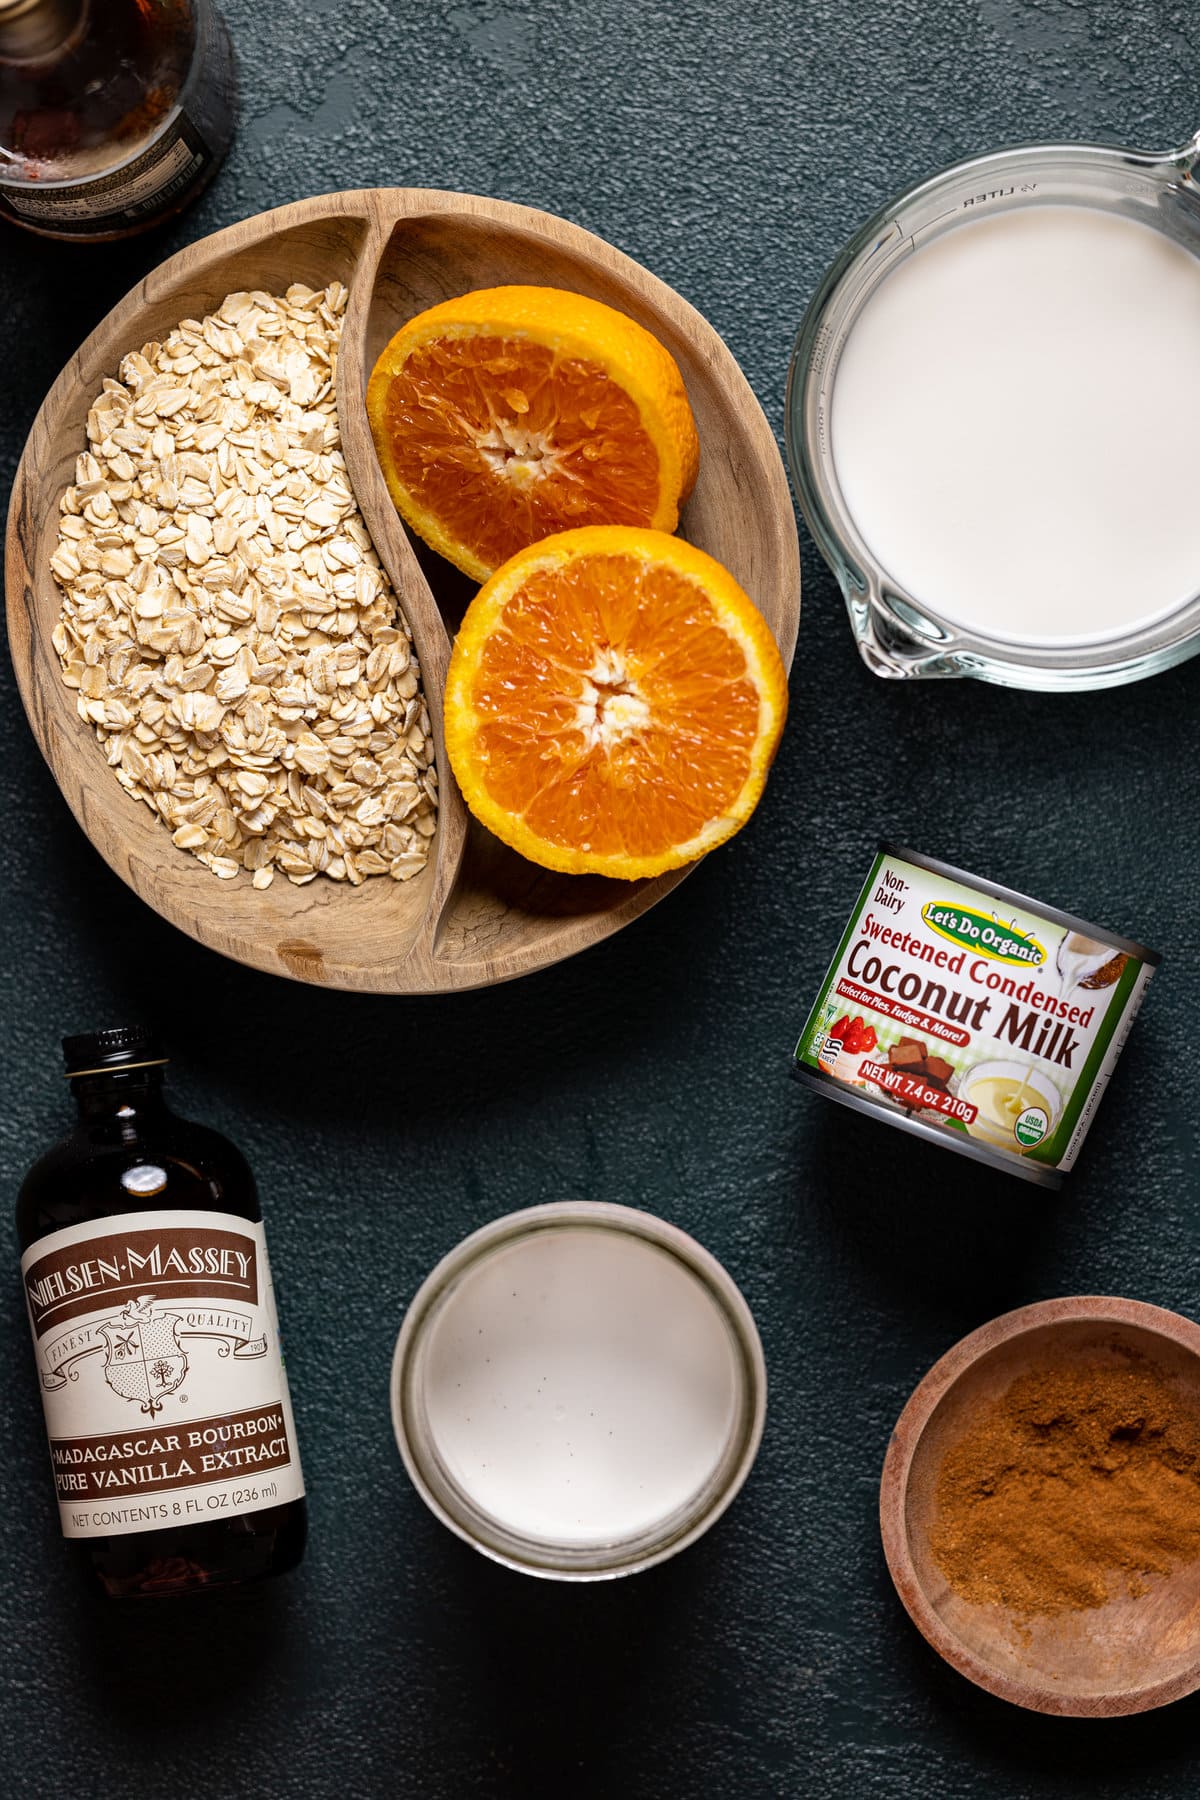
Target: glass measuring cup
x,y
898,634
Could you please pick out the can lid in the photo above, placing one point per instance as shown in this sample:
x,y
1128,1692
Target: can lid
x,y
116,1047
1054,915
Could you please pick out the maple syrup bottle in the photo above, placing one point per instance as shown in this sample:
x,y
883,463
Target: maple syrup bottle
x,y
113,113
157,1349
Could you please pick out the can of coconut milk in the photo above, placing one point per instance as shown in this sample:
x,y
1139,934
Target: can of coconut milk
x,y
972,1015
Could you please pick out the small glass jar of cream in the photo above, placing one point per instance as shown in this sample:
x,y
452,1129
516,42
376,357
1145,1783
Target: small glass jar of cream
x,y
991,419
578,1390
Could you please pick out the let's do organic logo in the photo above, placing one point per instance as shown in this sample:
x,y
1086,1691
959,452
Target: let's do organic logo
x,y
984,933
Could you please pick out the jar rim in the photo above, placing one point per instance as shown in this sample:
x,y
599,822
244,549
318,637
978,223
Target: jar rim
x,y
549,1558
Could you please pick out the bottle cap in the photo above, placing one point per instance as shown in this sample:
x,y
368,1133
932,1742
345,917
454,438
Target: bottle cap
x,y
118,1047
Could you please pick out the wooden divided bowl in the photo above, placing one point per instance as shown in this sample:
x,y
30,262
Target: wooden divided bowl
x,y
478,913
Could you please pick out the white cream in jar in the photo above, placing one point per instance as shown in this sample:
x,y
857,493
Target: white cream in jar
x,y
1013,425
581,1394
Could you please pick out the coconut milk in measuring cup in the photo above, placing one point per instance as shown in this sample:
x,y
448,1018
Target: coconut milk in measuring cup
x,y
991,419
972,1015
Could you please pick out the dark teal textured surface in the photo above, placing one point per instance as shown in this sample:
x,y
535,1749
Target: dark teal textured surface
x,y
731,149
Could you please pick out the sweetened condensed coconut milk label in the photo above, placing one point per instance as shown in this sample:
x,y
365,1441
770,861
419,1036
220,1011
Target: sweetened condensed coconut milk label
x,y
157,1351
966,1010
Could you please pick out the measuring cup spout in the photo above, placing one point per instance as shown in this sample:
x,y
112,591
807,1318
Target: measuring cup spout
x,y
889,643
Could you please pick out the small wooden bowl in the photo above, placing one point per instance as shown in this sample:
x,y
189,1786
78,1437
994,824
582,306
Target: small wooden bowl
x,y
1124,1657
477,914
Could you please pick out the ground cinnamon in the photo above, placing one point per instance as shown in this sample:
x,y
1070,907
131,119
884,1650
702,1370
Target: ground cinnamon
x,y
1074,1486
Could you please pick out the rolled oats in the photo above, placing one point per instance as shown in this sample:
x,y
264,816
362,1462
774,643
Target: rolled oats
x,y
226,624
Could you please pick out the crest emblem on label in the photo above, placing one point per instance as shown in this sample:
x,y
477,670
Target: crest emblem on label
x,y
144,1359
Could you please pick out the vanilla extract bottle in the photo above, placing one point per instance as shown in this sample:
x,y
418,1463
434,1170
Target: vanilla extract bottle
x,y
114,114
144,1263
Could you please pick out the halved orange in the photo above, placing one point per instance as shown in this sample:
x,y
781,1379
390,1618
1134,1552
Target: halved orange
x,y
613,703
515,412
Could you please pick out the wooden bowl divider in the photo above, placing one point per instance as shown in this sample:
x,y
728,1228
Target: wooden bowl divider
x,y
478,913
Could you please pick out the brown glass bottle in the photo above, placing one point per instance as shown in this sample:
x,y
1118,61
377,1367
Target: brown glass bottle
x,y
145,1272
113,113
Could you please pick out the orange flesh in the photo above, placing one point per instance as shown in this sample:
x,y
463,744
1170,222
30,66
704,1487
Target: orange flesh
x,y
670,714
506,444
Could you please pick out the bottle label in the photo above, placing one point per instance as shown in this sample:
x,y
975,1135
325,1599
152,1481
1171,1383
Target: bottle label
x,y
123,197
157,1350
